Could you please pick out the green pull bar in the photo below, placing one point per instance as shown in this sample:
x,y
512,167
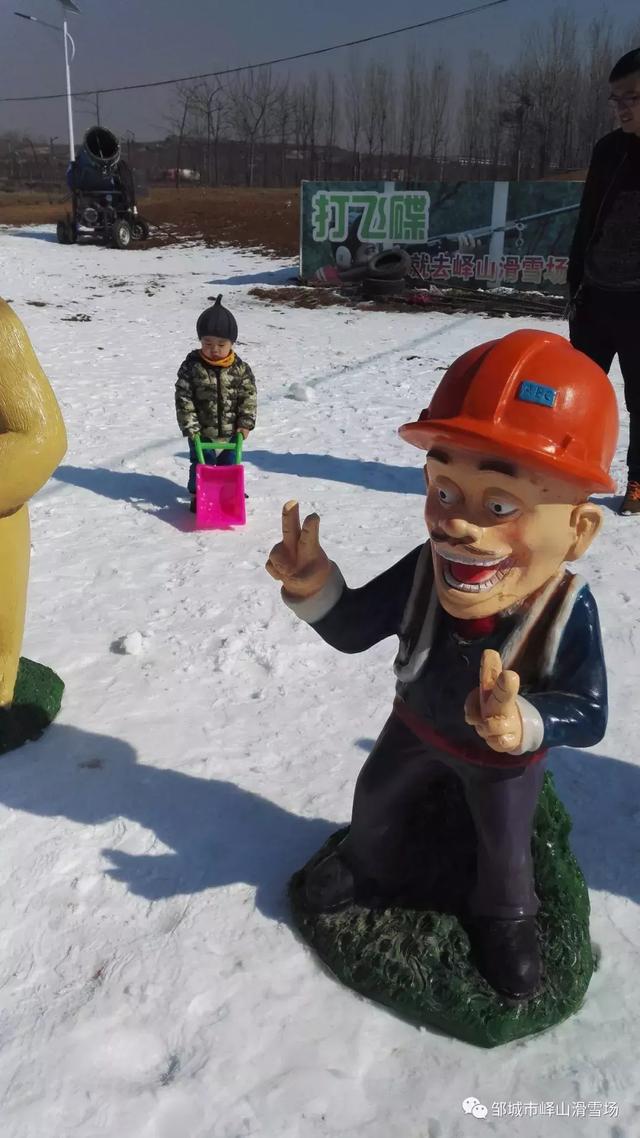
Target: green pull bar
x,y
201,447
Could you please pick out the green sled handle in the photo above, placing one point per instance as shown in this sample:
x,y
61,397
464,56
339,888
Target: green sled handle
x,y
201,447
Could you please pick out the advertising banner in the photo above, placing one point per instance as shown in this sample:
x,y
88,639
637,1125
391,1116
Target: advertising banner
x,y
464,234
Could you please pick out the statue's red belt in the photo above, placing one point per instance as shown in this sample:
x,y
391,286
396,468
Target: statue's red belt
x,y
424,731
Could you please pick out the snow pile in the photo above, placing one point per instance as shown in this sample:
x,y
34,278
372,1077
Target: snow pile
x,y
130,645
299,392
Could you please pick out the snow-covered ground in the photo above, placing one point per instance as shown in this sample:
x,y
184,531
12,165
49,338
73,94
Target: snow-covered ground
x,y
151,985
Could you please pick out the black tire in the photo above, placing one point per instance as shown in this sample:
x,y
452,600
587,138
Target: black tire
x,y
121,234
140,228
62,233
376,288
355,274
390,264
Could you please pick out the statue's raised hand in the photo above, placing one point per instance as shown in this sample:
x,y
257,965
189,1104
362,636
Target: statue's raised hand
x,y
299,561
493,707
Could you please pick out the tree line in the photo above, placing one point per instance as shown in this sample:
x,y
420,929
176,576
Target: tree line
x,y
423,119
530,119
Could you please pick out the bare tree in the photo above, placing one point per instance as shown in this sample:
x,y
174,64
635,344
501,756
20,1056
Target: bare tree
x,y
474,134
437,94
514,104
549,69
306,115
369,105
353,97
385,98
252,96
377,114
413,112
282,118
187,103
209,106
628,40
330,121
593,117
310,107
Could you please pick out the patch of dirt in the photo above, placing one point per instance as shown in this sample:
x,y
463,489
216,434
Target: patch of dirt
x,y
492,303
253,219
26,208
453,300
301,297
250,218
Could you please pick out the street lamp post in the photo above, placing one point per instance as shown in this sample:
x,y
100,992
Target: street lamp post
x,y
67,6
67,40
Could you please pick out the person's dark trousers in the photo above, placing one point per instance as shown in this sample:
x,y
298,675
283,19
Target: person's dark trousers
x,y
502,802
606,324
211,458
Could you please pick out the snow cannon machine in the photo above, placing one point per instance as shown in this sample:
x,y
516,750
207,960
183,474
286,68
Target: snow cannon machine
x,y
103,197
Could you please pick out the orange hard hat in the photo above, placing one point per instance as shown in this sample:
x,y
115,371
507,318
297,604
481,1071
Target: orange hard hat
x,y
531,397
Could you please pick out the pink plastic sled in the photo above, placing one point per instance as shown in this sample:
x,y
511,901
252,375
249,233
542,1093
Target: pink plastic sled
x,y
220,502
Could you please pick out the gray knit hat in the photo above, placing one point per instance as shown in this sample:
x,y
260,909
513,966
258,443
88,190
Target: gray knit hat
x,y
217,321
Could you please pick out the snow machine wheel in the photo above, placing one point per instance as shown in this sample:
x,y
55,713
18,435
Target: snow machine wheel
x,y
390,264
139,229
121,235
375,288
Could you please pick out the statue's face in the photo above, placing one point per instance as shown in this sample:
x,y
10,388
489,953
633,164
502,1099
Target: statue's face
x,y
499,531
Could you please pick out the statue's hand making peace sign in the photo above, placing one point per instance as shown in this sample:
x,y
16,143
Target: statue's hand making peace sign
x,y
299,561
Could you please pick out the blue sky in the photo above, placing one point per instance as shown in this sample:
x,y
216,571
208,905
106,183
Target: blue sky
x,y
121,41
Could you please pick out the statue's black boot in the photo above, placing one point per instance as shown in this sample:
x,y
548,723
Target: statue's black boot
x,y
506,953
329,885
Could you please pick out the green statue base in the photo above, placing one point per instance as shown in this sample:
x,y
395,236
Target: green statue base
x,y
36,703
415,957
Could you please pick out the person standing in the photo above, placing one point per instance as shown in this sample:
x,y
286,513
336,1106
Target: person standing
x,y
604,262
215,393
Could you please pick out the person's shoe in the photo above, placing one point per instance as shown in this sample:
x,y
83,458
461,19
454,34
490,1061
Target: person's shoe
x,y
329,886
192,507
631,501
506,953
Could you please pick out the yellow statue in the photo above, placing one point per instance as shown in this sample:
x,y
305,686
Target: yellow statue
x,y
32,442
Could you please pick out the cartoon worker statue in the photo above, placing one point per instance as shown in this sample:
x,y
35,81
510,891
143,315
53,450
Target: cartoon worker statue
x,y
32,442
500,658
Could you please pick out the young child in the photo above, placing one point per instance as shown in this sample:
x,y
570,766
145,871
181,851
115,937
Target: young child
x,y
216,391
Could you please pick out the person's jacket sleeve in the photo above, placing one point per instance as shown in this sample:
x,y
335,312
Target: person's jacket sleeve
x,y
247,404
607,156
588,209
185,407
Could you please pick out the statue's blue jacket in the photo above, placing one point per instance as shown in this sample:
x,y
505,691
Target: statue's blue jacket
x,y
553,641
